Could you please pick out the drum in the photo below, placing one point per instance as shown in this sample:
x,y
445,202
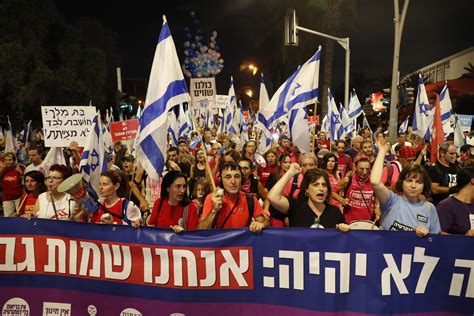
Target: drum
x,y
363,225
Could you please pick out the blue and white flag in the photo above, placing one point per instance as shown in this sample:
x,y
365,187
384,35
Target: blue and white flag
x,y
232,115
166,88
93,161
446,108
334,118
299,129
195,142
422,116
10,141
173,125
109,144
325,125
347,125
184,123
404,126
299,90
355,108
265,142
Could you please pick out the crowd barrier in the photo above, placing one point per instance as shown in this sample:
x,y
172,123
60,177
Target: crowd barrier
x,y
69,268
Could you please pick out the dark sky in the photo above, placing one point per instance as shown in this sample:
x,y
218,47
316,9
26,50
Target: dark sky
x,y
251,29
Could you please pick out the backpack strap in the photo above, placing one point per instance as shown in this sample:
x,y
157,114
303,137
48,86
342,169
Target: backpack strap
x,y
250,206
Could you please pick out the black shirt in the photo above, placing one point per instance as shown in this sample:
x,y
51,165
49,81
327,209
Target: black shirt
x,y
445,176
301,215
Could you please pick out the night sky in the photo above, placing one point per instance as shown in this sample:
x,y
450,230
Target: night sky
x,y
251,29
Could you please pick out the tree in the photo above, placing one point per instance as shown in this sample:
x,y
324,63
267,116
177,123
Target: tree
x,y
46,61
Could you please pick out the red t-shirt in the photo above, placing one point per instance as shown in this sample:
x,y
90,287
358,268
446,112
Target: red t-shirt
x,y
361,205
240,214
324,144
27,203
344,165
115,209
173,215
264,173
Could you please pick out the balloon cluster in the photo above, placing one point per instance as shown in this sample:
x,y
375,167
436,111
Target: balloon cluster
x,y
201,61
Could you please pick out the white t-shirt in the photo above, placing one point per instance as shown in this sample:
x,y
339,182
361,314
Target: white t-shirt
x,y
63,207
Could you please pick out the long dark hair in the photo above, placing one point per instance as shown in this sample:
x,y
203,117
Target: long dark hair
x,y
324,163
311,176
413,170
168,180
39,178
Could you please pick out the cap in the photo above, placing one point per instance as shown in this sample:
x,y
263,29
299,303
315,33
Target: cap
x,y
361,157
406,152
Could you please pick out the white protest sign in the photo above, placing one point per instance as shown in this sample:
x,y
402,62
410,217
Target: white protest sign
x,y
203,93
222,101
64,124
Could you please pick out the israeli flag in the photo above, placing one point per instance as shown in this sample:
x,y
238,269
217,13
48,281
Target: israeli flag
x,y
184,125
93,161
325,125
334,118
10,142
109,144
166,88
404,126
355,108
264,143
422,116
232,115
298,126
347,125
55,156
446,108
173,127
299,90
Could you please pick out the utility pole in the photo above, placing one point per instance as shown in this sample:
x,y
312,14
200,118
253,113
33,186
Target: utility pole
x,y
398,20
291,39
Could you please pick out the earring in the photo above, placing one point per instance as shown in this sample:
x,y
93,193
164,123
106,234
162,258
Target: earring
x,y
306,194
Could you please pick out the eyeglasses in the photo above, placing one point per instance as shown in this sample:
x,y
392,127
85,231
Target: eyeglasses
x,y
54,178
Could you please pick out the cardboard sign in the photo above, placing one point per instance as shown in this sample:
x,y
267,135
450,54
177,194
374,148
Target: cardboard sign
x,y
64,124
124,130
203,93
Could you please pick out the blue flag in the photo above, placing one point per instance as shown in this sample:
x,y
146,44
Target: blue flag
x,y
93,161
166,88
422,116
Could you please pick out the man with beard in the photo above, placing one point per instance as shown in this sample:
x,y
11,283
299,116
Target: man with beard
x,y
360,193
443,173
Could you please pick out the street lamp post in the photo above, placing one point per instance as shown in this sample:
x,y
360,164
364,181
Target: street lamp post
x,y
291,39
399,20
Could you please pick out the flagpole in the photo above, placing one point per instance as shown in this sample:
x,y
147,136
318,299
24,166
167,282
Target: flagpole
x,y
313,147
208,167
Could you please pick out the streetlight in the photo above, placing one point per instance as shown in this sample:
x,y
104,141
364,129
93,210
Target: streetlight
x,y
291,39
253,69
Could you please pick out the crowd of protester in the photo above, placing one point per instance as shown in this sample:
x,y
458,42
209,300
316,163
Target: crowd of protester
x,y
223,184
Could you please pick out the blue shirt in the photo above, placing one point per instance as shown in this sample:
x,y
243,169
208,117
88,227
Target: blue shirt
x,y
400,214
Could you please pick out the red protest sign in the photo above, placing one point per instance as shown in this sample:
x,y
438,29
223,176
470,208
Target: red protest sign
x,y
124,130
